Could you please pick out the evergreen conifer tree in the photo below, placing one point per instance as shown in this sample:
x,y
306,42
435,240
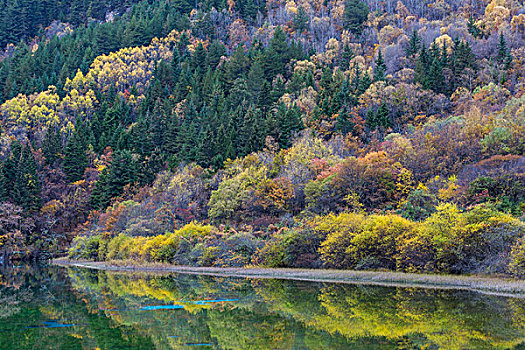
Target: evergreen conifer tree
x,y
380,67
347,55
414,44
27,185
504,56
354,15
300,20
51,147
99,199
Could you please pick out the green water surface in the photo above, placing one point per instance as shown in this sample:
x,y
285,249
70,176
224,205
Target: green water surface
x,y
72,308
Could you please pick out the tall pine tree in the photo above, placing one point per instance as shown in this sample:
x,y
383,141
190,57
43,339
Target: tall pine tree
x,y
75,159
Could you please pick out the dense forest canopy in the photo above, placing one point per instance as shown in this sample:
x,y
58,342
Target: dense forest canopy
x,y
141,117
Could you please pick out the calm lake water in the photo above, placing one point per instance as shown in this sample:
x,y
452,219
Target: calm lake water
x,y
71,308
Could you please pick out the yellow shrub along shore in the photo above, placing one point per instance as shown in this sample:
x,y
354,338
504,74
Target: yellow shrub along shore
x,y
478,240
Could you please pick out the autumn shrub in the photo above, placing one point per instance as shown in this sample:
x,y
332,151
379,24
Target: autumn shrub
x,y
506,192
419,205
298,247
182,253
175,246
322,197
497,232
479,240
241,247
234,194
213,251
91,247
210,255
416,252
85,247
484,240
339,231
452,241
135,249
103,248
302,248
193,230
517,259
362,242
116,248
153,246
275,195
375,245
508,136
77,248
161,248
191,254
166,251
447,230
376,181
272,254
233,249
187,243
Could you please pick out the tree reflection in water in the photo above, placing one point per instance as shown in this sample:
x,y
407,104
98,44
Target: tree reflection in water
x,y
78,308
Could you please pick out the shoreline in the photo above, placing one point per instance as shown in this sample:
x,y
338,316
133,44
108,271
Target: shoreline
x,y
482,284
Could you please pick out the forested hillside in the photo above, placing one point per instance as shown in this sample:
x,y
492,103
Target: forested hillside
x,y
354,134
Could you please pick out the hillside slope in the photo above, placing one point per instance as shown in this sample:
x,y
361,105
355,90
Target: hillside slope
x,y
256,117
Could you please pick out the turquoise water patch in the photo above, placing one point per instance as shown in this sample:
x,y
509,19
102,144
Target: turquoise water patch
x,y
52,324
161,307
175,307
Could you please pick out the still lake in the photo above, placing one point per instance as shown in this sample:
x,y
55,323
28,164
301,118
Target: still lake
x,y
73,308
